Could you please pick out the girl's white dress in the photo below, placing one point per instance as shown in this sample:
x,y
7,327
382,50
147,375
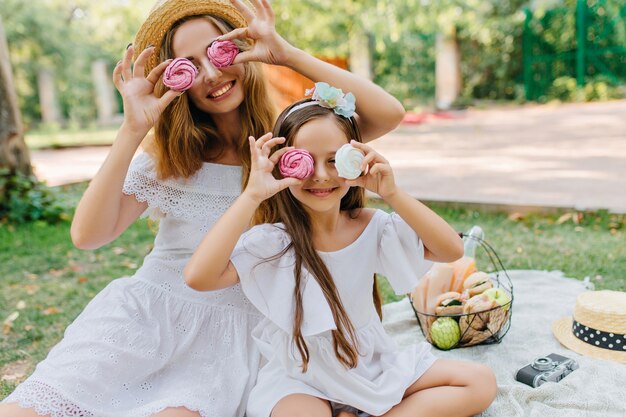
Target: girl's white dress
x,y
149,342
387,246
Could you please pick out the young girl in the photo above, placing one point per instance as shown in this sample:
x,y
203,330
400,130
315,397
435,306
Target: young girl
x,y
311,272
148,345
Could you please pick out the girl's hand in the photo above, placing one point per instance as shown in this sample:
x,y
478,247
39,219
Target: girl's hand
x,y
142,107
262,184
268,46
378,175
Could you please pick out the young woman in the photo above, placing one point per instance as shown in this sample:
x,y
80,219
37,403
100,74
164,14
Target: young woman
x,y
148,345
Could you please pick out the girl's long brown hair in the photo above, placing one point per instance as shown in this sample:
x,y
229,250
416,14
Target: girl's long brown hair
x,y
283,207
185,137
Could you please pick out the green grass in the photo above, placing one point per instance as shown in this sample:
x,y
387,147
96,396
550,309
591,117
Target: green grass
x,y
48,281
65,138
45,279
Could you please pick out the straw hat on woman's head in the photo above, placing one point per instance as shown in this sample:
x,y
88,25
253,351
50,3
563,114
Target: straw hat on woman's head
x,y
598,326
167,12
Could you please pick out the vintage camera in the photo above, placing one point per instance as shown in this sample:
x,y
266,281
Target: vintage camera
x,y
547,368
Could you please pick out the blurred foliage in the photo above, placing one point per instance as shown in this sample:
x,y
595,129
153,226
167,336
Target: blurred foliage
x,y
65,36
25,199
553,46
599,88
489,33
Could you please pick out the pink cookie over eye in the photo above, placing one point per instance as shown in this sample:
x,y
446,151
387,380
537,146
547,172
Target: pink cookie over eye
x,y
180,74
296,163
222,53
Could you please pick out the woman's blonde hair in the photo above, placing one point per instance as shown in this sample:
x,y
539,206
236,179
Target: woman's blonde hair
x,y
185,137
285,208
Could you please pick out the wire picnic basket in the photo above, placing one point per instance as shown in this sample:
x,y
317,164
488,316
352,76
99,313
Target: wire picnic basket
x,y
485,317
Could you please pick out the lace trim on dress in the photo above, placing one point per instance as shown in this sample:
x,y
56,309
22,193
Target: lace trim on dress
x,y
45,401
202,196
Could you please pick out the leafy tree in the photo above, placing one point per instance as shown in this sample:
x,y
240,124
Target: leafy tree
x,y
22,197
489,34
65,37
13,152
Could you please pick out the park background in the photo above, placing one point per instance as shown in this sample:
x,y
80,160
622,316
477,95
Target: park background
x,y
63,52
443,59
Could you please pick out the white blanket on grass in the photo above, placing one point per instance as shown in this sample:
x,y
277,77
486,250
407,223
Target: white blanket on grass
x,y
596,389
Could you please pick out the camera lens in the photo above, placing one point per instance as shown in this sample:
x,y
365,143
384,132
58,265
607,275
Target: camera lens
x,y
543,364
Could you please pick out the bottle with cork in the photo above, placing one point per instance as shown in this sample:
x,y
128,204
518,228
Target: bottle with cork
x,y
466,265
446,277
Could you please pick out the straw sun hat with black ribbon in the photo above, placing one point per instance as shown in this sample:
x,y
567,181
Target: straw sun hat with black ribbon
x,y
166,13
598,326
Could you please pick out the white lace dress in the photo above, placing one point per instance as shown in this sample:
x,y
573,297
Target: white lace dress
x,y
388,246
149,342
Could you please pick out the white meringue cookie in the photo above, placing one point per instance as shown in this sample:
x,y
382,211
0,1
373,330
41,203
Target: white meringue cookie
x,y
348,161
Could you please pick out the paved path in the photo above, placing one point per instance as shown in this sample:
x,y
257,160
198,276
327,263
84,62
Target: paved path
x,y
69,165
566,156
548,156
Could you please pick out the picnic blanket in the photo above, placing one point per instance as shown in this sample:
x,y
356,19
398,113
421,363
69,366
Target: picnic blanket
x,y
597,388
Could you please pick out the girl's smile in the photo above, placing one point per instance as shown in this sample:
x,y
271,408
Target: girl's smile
x,y
323,190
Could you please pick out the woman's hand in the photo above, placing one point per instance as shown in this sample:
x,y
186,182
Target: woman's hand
x,y
268,46
142,107
262,184
378,175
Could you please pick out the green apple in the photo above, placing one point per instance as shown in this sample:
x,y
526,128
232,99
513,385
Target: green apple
x,y
499,296
445,332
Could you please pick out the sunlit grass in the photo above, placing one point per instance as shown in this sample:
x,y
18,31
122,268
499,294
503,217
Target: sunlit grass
x,y
64,138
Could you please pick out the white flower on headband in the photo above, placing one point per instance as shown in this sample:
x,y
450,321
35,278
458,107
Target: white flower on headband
x,y
333,98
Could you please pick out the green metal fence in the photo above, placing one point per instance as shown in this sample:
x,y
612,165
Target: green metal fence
x,y
585,41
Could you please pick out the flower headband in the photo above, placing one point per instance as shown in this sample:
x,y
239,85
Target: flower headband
x,y
324,95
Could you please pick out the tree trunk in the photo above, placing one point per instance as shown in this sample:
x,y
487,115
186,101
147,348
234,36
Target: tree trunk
x,y
447,69
13,151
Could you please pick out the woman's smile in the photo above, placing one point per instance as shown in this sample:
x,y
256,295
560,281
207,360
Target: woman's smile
x,y
216,91
222,91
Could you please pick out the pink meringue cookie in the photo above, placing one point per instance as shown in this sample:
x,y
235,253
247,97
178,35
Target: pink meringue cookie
x,y
180,74
296,163
222,53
